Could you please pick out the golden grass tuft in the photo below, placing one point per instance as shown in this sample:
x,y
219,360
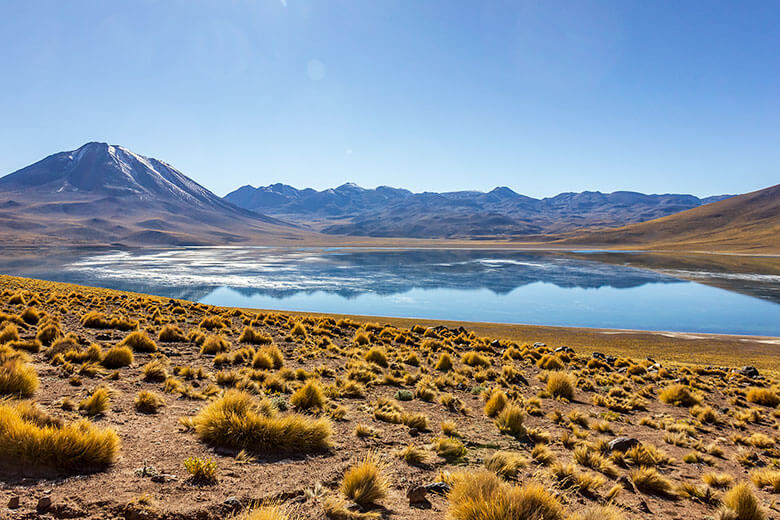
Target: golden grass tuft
x,y
766,478
97,403
148,402
214,344
118,357
444,364
481,495
763,396
649,480
495,403
17,378
237,421
139,341
510,420
377,356
740,503
365,482
309,396
69,447
506,463
203,471
560,384
171,334
679,395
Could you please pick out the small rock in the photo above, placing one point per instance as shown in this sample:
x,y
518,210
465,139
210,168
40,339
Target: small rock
x,y
622,443
440,488
538,345
564,348
14,503
749,371
233,503
416,495
599,355
43,505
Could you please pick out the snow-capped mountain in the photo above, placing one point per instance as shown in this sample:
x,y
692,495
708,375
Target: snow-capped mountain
x,y
108,193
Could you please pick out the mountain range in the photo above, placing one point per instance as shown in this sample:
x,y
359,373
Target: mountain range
x,y
501,212
102,193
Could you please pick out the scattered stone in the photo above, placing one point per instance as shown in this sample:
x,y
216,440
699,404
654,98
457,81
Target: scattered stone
x,y
43,505
749,371
622,443
599,355
440,488
14,503
233,503
416,495
564,348
538,345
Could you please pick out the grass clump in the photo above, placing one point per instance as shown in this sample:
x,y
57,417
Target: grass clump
x,y
214,344
506,463
377,356
769,478
678,395
237,421
649,480
763,396
365,482
171,334
560,384
139,341
510,420
118,357
26,437
148,402
444,364
309,396
740,503
17,378
97,403
203,471
449,448
250,335
268,357
495,403
482,495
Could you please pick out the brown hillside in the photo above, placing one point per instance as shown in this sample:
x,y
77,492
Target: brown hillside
x,y
748,223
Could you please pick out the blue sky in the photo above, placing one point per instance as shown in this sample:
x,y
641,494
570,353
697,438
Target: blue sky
x,y
541,96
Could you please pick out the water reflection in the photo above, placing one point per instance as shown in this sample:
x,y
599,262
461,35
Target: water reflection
x,y
596,290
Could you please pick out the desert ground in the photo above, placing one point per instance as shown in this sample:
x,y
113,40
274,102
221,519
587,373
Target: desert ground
x,y
123,405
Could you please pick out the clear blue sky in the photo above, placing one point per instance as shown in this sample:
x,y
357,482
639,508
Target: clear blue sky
x,y
542,96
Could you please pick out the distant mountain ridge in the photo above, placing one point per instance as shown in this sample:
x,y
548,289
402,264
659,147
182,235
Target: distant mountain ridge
x,y
747,223
106,193
396,212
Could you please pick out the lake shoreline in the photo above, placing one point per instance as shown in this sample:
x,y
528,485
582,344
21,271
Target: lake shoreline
x,y
701,349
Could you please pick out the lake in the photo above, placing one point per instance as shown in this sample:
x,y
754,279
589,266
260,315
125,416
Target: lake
x,y
585,289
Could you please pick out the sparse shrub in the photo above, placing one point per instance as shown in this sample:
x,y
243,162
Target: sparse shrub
x,y
550,362
139,341
678,395
717,480
214,344
118,357
763,396
413,455
30,316
237,421
561,385
510,420
475,359
739,503
648,480
203,471
769,478
495,403
450,429
482,495
250,335
97,403
308,396
377,355
506,463
156,370
17,378
47,333
9,333
444,364
364,482
449,448
148,402
26,439
171,334
268,357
